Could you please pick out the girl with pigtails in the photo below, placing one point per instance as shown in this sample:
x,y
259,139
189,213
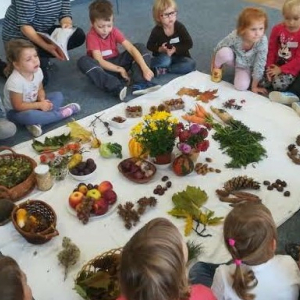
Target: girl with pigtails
x,y
255,272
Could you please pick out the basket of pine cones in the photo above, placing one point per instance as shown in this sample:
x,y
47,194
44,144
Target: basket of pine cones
x,y
35,220
98,278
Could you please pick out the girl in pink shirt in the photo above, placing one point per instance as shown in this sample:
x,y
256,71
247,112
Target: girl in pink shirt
x,y
153,266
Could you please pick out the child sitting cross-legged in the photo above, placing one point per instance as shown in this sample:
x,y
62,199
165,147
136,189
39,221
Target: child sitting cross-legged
x,y
25,100
153,266
104,65
250,236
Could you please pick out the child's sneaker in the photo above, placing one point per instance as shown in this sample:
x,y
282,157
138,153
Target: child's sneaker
x,y
123,93
35,130
216,75
159,71
283,97
296,107
70,109
144,88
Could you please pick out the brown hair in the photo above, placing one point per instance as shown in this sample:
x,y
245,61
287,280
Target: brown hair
x,y
249,235
159,6
153,264
247,16
100,9
289,5
13,49
11,287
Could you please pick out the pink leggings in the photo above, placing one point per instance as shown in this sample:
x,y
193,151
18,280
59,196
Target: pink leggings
x,y
242,77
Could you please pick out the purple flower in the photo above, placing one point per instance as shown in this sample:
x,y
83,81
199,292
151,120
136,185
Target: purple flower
x,y
184,148
194,128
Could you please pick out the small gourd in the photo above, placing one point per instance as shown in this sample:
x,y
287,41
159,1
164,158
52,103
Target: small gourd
x,y
136,149
182,165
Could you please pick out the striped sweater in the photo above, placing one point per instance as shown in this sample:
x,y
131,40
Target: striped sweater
x,y
40,14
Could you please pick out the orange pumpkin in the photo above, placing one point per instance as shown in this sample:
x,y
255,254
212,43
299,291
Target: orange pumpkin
x,y
182,165
136,149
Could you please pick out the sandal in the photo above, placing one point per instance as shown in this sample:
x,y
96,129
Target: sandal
x,y
293,250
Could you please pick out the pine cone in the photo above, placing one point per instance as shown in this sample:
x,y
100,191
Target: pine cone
x,y
241,182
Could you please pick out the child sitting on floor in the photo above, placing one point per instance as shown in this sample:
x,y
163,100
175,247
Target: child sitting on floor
x,y
250,236
169,41
283,62
104,65
25,100
13,282
153,266
246,49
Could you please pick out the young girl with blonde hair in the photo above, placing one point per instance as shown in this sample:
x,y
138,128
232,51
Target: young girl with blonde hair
x,y
25,100
245,49
153,266
250,236
169,41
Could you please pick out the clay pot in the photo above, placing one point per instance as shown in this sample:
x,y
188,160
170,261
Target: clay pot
x,y
163,159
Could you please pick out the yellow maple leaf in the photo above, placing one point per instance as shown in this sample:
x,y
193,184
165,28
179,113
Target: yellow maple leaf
x,y
188,225
79,133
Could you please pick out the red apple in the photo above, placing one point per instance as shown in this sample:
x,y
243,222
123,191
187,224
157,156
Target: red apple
x,y
105,186
75,198
100,207
93,193
110,196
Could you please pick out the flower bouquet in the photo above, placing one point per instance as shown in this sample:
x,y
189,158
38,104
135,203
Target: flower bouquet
x,y
156,133
192,139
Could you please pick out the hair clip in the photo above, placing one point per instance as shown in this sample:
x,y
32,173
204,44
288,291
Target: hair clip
x,y
231,242
238,262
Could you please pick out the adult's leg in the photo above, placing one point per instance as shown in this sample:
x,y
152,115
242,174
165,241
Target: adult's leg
x,y
102,79
182,65
7,129
242,79
202,273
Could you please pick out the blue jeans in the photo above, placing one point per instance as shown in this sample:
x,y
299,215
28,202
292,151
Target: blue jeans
x,y
175,64
203,273
39,117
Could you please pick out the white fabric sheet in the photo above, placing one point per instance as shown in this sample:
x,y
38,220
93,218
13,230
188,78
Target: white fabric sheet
x,y
279,124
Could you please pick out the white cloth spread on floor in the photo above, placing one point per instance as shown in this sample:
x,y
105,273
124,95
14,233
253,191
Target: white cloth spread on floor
x,y
278,123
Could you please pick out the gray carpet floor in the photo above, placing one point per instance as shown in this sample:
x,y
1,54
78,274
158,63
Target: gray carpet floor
x,y
207,22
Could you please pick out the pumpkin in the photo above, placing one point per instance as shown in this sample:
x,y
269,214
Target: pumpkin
x,y
182,165
136,149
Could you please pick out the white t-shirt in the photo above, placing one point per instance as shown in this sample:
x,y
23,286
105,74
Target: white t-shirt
x,y
18,84
278,279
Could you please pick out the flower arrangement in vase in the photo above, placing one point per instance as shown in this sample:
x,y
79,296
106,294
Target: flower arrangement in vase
x,y
156,133
192,139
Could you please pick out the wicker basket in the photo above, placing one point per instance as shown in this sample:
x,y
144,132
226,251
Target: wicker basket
x,y
45,230
22,189
100,263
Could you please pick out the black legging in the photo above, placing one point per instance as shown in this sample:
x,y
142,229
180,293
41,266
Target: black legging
x,y
295,87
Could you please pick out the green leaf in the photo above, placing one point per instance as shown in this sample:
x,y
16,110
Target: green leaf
x,y
98,280
81,291
51,143
215,221
178,212
115,148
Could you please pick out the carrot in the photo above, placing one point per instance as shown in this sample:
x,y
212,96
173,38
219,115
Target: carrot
x,y
194,119
201,111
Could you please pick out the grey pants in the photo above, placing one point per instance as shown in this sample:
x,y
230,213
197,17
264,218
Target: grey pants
x,y
110,81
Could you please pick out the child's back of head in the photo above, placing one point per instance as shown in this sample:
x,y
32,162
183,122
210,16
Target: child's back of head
x,y
153,264
100,10
250,236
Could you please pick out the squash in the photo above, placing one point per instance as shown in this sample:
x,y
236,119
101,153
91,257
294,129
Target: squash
x,y
183,165
136,149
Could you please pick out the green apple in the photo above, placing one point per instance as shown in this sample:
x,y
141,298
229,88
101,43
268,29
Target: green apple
x,y
93,193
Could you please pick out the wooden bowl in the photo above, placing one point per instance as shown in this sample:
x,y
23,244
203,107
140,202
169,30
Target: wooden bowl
x,y
129,175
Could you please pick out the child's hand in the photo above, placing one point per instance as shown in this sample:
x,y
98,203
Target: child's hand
x,y
259,90
124,73
148,74
273,70
46,105
171,51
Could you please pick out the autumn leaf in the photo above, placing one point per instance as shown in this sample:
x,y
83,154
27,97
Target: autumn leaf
x,y
208,218
178,212
78,132
188,225
207,95
188,92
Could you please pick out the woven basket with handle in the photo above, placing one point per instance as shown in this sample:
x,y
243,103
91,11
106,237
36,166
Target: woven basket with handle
x,y
24,188
46,225
97,271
